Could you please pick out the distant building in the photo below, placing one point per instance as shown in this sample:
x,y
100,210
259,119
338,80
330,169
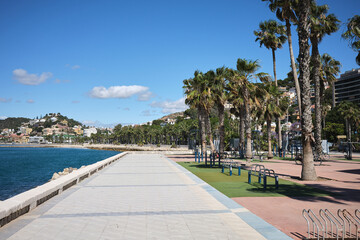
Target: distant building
x,y
170,121
65,122
89,131
36,139
48,131
78,130
25,130
19,138
347,87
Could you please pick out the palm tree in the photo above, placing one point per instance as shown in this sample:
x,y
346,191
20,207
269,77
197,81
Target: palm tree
x,y
198,95
218,88
284,10
308,170
242,89
350,112
235,88
193,90
207,104
352,34
269,108
320,25
272,36
330,68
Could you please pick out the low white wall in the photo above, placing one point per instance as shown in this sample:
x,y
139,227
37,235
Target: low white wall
x,y
22,203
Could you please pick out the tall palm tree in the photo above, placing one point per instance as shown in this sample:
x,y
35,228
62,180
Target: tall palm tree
x,y
242,89
218,83
235,89
321,24
308,169
330,68
285,11
272,36
207,104
193,89
352,34
198,95
270,108
350,112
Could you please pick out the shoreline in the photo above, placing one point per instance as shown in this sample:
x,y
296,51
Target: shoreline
x,y
109,147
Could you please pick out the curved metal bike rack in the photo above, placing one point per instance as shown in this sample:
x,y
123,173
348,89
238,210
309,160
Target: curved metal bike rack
x,y
323,227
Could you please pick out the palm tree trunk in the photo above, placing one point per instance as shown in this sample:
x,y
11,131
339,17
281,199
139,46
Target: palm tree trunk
x,y
270,154
202,129
221,110
308,169
248,153
209,133
278,123
315,57
242,130
293,66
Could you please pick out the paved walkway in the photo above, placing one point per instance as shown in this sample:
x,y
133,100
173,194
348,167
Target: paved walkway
x,y
141,196
285,213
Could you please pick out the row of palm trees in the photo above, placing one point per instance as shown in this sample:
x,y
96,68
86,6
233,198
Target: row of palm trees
x,y
250,101
214,89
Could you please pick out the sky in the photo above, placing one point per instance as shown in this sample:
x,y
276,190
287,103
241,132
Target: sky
x,y
109,62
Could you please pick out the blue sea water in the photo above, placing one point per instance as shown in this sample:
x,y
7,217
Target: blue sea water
x,y
22,169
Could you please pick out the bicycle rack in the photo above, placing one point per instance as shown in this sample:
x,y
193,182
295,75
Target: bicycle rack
x,y
324,228
357,213
333,222
315,223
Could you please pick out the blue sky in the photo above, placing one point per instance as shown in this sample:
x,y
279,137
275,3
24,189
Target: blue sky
x,y
124,61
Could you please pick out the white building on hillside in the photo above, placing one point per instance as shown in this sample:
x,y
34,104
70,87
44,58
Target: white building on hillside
x,y
89,131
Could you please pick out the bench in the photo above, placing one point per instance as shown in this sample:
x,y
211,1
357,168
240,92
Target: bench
x,y
229,163
261,172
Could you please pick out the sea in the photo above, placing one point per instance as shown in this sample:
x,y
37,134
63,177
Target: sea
x,y
24,168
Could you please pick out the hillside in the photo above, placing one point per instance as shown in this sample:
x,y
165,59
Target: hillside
x,y
172,116
13,122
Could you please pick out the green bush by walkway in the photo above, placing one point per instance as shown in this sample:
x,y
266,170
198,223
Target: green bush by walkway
x,y
237,186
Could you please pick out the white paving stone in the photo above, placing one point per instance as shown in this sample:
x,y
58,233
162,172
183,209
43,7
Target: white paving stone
x,y
141,196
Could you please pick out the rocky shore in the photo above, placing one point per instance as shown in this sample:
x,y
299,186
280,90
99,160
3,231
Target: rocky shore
x,y
66,171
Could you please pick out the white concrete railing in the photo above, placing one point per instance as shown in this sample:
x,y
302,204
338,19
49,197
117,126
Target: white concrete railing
x,y
24,202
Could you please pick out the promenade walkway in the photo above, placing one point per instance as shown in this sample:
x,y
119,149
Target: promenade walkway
x,y
141,196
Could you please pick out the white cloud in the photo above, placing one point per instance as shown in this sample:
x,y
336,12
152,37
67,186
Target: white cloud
x,y
145,96
23,77
30,101
3,117
169,106
5,100
142,92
